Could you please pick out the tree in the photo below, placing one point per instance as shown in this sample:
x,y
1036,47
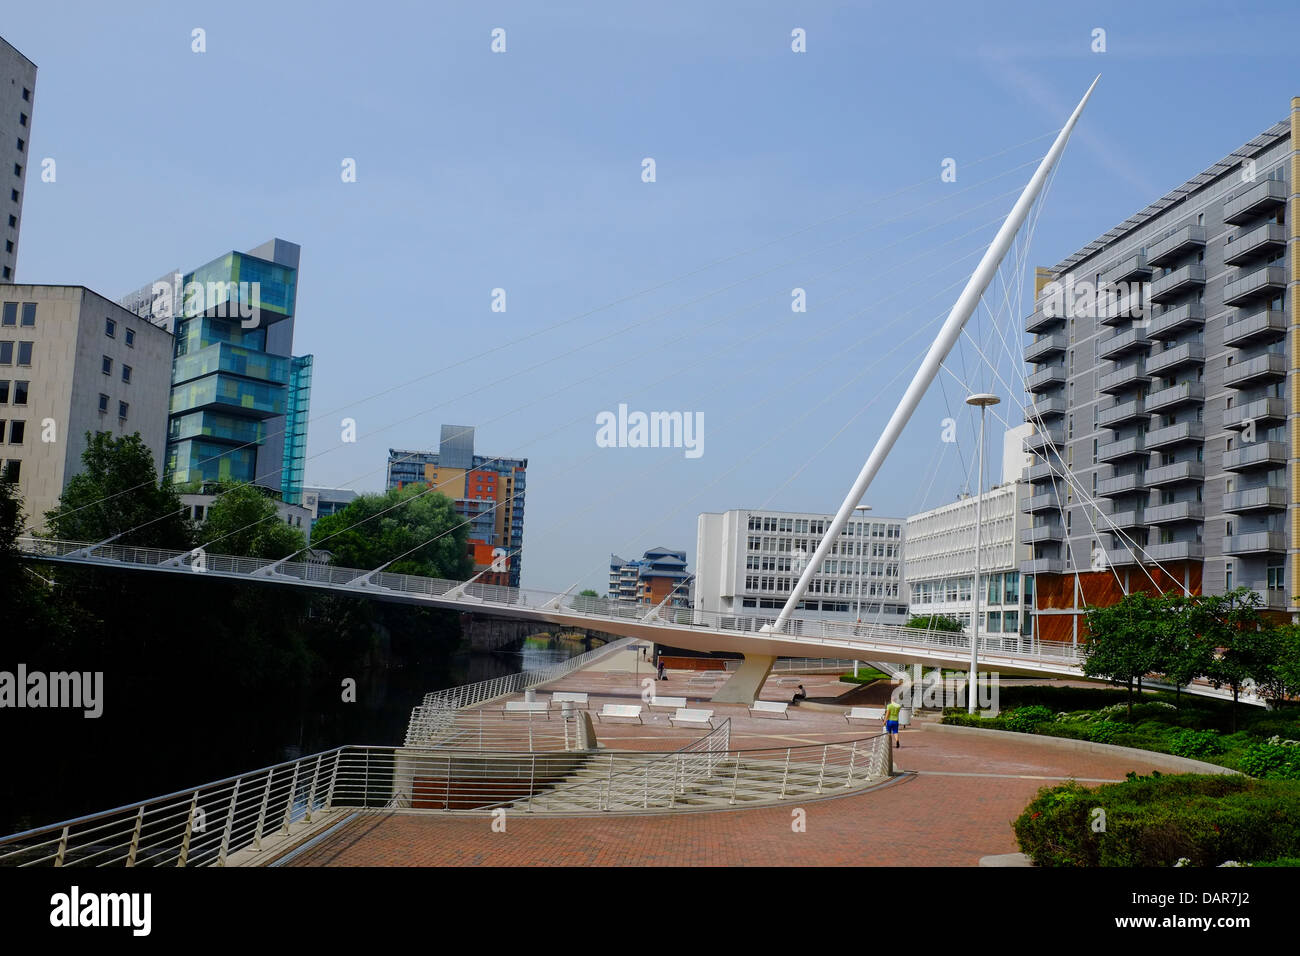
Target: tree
x,y
1232,623
1183,653
244,521
935,622
1122,641
117,492
417,529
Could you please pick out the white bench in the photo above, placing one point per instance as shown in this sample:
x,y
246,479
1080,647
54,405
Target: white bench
x,y
786,681
864,713
668,703
687,716
576,697
705,680
772,707
529,707
629,711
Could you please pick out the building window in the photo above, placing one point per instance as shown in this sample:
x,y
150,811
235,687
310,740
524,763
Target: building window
x,y
20,392
122,408
24,353
6,353
130,338
110,328
13,222
27,94
10,318
12,469
18,169
103,402
16,432
4,392
22,119
106,366
29,315
126,373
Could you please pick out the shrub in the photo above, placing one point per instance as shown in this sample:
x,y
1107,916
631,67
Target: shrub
x,y
1196,743
1025,719
1105,731
1158,820
1274,761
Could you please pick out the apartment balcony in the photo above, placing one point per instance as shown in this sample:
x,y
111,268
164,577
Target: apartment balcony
x,y
1176,551
1130,520
1134,268
1116,309
1043,471
1266,326
1040,533
1171,322
1261,411
1042,566
1180,356
1263,283
1255,201
1044,407
1035,504
1120,554
1178,282
1180,472
1178,511
1261,454
1257,371
1177,434
1123,343
1124,448
1045,378
1121,413
1255,542
1045,439
1044,346
1123,378
1176,244
1121,484
1040,321
1254,243
1255,499
1184,393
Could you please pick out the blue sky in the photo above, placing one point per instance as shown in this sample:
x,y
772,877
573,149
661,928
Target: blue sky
x,y
522,171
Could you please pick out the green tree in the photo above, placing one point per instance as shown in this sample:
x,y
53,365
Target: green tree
x,y
1183,653
243,521
118,492
1233,624
1122,640
417,529
935,622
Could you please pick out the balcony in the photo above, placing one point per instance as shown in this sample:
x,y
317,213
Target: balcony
x,y
1261,454
1117,305
1122,343
1045,378
1257,371
1042,566
1124,521
1043,471
1040,321
1255,542
1035,504
1123,378
1179,472
1263,283
1039,533
1189,353
1043,346
1121,484
1255,201
1119,450
1260,241
1169,323
1122,412
1045,406
1176,551
1176,283
1255,499
1134,268
1266,326
1178,511
1174,245
1260,411
1184,393
1120,553
1176,434
1045,439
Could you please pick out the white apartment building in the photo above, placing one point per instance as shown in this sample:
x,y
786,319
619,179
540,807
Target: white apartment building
x,y
748,563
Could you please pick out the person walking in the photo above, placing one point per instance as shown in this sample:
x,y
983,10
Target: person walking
x,y
659,671
892,710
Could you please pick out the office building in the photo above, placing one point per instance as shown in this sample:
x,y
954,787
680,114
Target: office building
x,y
1167,394
322,502
73,362
240,398
657,576
748,562
17,96
487,491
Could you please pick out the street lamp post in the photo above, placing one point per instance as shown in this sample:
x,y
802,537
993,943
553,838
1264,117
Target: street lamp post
x,y
982,401
862,508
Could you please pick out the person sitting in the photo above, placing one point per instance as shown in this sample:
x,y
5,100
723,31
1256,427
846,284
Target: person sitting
x,y
799,695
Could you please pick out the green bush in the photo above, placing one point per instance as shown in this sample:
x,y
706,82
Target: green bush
x,y
960,718
1105,731
866,675
1156,820
1025,719
1196,743
1274,761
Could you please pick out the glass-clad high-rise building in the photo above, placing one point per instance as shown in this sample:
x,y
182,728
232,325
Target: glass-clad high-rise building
x,y
240,398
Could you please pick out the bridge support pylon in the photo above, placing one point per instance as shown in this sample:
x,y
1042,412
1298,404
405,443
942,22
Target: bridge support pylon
x,y
744,685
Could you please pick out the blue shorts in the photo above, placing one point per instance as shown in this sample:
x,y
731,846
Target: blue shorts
x,y
891,727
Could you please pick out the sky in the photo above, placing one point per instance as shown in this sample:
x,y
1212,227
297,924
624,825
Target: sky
x,y
524,171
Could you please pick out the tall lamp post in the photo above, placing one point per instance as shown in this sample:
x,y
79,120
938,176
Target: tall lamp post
x,y
982,401
864,509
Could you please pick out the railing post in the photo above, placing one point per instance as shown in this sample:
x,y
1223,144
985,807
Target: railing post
x,y
135,837
334,777
311,794
785,776
822,774
366,784
288,803
189,830
852,757
63,848
447,803
645,792
735,778
532,777
230,822
609,782
261,814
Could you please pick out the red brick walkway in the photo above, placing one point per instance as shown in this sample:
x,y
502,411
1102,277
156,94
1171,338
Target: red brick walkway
x,y
957,807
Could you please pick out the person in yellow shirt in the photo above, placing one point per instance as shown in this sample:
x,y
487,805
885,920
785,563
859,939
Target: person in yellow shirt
x,y
892,710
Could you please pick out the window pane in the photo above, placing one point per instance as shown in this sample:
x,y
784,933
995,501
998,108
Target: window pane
x,y
10,314
29,314
20,392
24,353
16,431
6,353
4,392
